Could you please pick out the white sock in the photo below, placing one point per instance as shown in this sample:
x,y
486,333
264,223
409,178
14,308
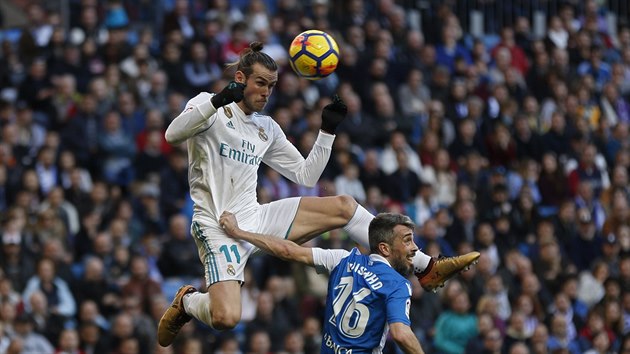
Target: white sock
x,y
358,227
198,306
420,261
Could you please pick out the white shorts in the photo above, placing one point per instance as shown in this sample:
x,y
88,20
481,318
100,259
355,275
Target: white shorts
x,y
224,258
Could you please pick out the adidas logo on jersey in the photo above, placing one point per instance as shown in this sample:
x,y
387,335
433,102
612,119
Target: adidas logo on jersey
x,y
230,125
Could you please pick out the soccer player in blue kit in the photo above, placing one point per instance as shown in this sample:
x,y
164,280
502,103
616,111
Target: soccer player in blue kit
x,y
227,139
368,295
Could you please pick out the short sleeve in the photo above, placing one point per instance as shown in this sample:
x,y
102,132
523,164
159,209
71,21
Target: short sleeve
x,y
326,260
399,303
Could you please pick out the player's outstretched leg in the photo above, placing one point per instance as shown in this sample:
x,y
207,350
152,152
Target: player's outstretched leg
x,y
443,268
316,215
174,318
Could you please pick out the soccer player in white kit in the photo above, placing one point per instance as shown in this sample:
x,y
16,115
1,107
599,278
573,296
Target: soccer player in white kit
x,y
227,140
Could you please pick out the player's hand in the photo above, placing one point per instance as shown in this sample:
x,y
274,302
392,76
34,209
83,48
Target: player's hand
x,y
229,224
333,114
233,92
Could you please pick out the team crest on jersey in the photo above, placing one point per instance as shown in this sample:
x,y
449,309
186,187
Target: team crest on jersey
x,y
230,270
262,135
228,112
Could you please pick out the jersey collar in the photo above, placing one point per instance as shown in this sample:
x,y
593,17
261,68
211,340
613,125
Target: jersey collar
x,y
238,112
378,258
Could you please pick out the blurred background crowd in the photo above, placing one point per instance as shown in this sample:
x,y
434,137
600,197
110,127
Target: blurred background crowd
x,y
499,126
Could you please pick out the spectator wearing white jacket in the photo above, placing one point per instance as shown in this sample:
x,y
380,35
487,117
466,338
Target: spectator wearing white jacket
x,y
60,299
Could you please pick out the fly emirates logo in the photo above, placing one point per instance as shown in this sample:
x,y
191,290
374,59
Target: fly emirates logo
x,y
244,154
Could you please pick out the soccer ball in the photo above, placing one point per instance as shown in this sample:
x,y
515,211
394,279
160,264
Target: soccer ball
x,y
313,54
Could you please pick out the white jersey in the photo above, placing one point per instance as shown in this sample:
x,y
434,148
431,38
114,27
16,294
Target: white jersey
x,y
225,148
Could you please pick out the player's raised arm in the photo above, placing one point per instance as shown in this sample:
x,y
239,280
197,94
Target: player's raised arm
x,y
281,248
285,158
196,115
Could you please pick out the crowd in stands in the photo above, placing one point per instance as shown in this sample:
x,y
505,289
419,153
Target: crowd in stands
x,y
509,144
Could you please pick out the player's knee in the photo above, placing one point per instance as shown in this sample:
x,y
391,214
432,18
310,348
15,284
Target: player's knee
x,y
347,206
224,320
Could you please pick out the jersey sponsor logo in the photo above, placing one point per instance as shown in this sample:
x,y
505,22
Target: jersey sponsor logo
x,y
230,125
241,155
262,135
228,112
328,341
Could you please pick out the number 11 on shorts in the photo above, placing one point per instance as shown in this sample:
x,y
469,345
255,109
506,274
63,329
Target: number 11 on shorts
x,y
234,250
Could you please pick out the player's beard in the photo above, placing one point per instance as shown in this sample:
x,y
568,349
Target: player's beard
x,y
402,266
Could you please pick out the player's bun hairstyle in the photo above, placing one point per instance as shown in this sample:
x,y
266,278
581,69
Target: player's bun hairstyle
x,y
253,47
253,55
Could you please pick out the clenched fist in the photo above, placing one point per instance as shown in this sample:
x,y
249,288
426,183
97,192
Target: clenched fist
x,y
233,92
228,222
332,114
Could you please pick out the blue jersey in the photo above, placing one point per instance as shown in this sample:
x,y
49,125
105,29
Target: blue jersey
x,y
365,294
